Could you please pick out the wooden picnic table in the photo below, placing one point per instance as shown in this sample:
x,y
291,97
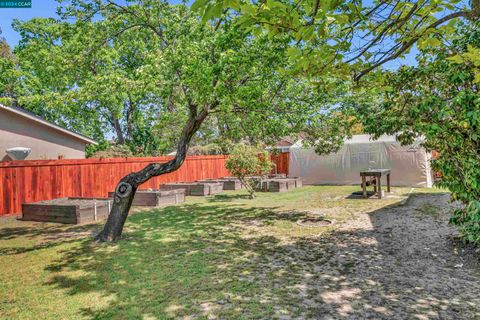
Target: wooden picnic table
x,y
377,173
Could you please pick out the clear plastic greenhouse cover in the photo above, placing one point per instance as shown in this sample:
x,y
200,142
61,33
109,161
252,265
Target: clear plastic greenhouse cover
x,y
410,165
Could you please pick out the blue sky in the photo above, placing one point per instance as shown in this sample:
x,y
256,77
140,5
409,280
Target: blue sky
x,y
40,8
47,8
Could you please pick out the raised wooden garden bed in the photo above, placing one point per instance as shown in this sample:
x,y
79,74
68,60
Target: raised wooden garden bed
x,y
228,183
156,198
281,185
277,176
67,210
298,182
262,184
278,184
195,188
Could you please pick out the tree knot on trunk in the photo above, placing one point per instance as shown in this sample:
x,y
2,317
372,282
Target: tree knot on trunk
x,y
123,190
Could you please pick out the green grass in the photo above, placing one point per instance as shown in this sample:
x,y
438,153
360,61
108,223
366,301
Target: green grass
x,y
214,256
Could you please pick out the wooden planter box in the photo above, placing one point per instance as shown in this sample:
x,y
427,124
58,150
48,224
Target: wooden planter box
x,y
195,188
67,210
156,198
281,185
298,182
262,184
276,184
228,183
277,175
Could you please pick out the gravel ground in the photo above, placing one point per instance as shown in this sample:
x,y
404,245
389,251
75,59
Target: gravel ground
x,y
401,262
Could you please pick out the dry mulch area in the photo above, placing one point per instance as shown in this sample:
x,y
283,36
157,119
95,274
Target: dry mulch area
x,y
402,262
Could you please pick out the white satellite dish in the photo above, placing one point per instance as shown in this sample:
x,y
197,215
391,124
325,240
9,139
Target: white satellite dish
x,y
18,153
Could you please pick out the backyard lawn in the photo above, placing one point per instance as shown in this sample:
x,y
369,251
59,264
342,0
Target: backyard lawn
x,y
229,257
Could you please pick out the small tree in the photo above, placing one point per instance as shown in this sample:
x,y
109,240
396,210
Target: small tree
x,y
245,161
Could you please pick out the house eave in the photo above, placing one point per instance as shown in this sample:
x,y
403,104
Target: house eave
x,y
48,124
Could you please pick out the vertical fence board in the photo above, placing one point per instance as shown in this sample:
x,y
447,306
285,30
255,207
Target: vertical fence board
x,y
7,189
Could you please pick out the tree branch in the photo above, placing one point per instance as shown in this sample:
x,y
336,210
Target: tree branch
x,y
411,42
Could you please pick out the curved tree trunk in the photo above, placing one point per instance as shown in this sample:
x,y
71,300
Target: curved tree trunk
x,y
248,185
126,188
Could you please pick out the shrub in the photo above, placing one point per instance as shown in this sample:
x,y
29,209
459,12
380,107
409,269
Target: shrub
x,y
113,151
245,161
468,221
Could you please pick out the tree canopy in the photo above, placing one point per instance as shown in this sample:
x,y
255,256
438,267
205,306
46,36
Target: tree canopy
x,y
117,72
348,37
9,72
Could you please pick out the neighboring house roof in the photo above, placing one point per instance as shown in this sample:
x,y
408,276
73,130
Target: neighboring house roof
x,y
285,142
35,118
288,141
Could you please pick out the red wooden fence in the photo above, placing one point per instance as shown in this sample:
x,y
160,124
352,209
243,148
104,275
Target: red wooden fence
x,y
281,162
30,181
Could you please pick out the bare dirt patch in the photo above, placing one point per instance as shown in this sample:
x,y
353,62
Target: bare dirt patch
x,y
398,262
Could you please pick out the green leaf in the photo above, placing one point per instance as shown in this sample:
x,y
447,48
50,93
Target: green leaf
x,y
456,58
477,77
198,4
294,52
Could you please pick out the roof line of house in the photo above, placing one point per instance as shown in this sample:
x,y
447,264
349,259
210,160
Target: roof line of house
x,y
32,116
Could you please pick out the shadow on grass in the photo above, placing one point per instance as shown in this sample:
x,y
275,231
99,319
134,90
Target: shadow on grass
x,y
197,260
222,197
46,235
45,245
172,262
37,229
